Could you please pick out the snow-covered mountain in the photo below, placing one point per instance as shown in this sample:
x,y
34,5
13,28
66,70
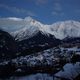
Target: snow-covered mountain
x,y
31,35
31,28
22,28
65,29
39,47
25,28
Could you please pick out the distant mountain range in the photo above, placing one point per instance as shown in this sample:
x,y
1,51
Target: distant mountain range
x,y
28,35
28,27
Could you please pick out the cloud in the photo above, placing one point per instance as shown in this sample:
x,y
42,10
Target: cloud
x,y
30,13
41,2
57,8
17,10
57,0
77,11
57,13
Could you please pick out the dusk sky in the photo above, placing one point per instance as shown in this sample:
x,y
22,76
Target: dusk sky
x,y
46,11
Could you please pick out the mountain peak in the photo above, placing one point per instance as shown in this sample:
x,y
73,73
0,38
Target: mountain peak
x,y
29,19
28,26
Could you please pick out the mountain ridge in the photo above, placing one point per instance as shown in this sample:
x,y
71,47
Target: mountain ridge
x,y
28,27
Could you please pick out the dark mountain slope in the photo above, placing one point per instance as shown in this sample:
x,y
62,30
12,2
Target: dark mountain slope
x,y
8,46
37,43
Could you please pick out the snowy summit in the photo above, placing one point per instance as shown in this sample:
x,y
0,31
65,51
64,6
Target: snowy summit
x,y
28,27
